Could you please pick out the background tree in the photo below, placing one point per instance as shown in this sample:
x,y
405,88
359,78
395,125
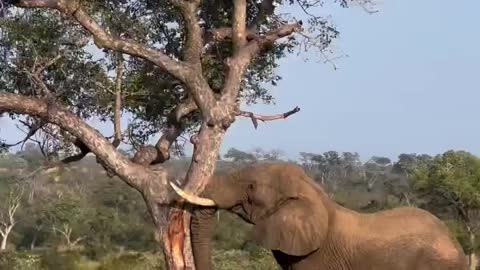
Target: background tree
x,y
452,183
8,212
181,67
239,156
407,163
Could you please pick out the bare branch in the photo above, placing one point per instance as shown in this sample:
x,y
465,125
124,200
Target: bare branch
x,y
33,128
264,118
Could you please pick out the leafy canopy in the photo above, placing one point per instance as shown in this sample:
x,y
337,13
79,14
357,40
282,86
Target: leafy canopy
x,y
82,77
454,175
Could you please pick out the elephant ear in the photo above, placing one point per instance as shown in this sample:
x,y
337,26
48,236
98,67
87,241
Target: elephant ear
x,y
298,227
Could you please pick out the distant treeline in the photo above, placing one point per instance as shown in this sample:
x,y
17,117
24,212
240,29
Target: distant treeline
x,y
80,210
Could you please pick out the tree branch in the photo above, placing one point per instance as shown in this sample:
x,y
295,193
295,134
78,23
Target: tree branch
x,y
185,72
239,62
93,140
264,9
239,25
103,40
264,118
118,101
33,128
84,150
222,33
160,153
194,40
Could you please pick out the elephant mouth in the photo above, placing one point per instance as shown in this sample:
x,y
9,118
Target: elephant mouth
x,y
277,207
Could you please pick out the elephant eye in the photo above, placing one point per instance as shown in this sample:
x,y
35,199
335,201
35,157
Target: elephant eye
x,y
250,186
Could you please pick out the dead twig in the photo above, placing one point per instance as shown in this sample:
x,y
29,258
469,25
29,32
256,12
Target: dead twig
x,y
264,118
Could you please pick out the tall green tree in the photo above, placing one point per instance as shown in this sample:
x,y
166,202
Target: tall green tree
x,y
177,67
454,178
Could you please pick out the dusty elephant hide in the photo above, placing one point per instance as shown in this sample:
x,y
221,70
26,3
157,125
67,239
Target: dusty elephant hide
x,y
306,230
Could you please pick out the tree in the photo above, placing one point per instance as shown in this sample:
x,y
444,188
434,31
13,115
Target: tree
x,y
454,177
407,163
68,217
273,155
332,167
376,169
239,156
181,67
8,212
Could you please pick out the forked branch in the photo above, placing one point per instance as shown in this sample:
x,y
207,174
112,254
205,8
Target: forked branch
x,y
160,153
239,62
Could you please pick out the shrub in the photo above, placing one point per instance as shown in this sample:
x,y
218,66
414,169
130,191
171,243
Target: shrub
x,y
240,260
52,260
20,261
231,232
132,261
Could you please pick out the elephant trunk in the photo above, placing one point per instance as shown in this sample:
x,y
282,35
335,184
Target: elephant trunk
x,y
224,192
202,227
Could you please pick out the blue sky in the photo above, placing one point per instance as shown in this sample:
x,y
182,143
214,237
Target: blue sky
x,y
410,84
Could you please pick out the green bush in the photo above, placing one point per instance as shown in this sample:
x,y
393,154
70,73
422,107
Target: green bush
x,y
52,260
231,232
241,260
20,261
132,261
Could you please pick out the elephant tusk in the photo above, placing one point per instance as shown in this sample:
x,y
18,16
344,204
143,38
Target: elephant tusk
x,y
193,199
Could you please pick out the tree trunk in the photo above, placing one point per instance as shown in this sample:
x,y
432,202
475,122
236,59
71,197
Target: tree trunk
x,y
472,261
176,237
3,246
34,241
472,257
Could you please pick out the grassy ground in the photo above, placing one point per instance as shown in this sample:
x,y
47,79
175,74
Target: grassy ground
x,y
223,259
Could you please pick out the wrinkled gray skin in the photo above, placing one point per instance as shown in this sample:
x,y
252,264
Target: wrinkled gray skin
x,y
306,230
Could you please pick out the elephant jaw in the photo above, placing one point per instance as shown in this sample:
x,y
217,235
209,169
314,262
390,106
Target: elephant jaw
x,y
193,199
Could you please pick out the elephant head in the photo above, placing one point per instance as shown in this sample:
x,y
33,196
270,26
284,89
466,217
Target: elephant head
x,y
288,211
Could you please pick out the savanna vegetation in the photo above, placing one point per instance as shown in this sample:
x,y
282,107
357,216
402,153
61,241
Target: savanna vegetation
x,y
79,218
175,68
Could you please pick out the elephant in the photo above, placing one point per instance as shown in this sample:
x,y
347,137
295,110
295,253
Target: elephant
x,y
306,230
